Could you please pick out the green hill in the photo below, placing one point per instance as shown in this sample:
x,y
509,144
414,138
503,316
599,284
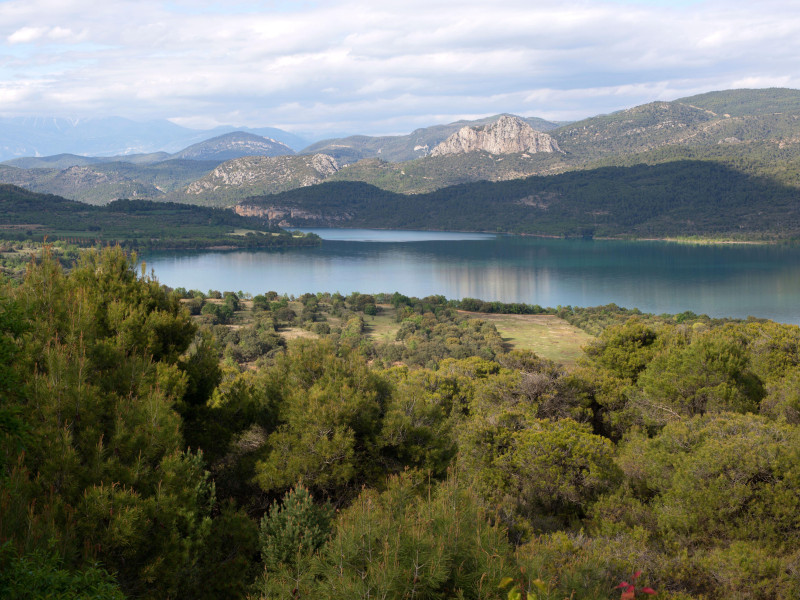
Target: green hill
x,y
26,215
103,182
233,145
436,172
747,102
66,160
676,198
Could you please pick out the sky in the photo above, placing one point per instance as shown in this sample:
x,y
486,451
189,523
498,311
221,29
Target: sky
x,y
387,67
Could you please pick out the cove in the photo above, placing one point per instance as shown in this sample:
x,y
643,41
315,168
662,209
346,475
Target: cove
x,y
736,280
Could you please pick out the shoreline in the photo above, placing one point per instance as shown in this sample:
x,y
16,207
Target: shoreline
x,y
670,239
702,241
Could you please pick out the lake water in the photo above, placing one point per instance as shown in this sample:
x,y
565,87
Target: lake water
x,y
720,280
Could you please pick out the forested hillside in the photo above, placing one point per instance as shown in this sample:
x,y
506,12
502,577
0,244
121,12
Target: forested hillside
x,y
670,199
134,224
147,453
747,102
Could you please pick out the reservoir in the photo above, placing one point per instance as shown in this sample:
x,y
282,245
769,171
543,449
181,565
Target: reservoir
x,y
734,280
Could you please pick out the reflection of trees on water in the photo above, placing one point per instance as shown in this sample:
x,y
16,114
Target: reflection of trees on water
x,y
655,277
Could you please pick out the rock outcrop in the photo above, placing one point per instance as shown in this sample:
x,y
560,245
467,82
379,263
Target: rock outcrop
x,y
259,174
505,136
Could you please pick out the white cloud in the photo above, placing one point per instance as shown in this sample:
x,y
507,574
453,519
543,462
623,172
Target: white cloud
x,y
365,66
25,35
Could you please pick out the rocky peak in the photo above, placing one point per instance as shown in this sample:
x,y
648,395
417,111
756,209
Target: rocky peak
x,y
507,135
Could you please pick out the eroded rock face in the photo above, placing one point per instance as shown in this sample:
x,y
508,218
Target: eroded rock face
x,y
505,136
324,164
279,172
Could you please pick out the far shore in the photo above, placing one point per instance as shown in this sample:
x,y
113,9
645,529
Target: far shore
x,y
702,241
674,240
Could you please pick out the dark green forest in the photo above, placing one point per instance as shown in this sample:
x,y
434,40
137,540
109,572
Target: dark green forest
x,y
676,198
139,224
155,447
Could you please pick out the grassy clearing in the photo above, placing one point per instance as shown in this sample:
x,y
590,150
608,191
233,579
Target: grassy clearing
x,y
382,327
547,335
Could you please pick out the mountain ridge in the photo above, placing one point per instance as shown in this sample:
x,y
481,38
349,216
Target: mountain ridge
x,y
401,148
22,137
236,144
758,135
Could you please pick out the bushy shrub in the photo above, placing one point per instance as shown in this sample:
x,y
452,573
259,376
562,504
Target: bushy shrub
x,y
296,526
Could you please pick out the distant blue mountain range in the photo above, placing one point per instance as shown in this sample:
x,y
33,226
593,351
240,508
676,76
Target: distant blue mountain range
x,y
111,136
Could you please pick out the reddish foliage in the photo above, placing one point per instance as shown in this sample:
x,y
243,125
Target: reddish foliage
x,y
629,589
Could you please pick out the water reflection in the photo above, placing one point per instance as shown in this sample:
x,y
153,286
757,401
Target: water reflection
x,y
656,277
394,235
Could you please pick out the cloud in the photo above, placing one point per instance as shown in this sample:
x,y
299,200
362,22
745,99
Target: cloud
x,y
25,35
373,67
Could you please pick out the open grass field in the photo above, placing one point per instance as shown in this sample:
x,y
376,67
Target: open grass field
x,y
547,335
382,327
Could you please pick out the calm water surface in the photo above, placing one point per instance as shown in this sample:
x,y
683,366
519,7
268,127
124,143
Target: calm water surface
x,y
721,280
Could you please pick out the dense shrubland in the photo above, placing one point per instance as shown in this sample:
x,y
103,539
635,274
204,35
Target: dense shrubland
x,y
149,453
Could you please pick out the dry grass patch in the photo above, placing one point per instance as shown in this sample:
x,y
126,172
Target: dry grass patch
x,y
547,335
293,333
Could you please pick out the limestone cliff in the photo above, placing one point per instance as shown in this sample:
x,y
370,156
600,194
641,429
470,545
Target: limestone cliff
x,y
507,135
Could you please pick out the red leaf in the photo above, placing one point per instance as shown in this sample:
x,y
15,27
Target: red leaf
x,y
622,585
647,591
636,575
